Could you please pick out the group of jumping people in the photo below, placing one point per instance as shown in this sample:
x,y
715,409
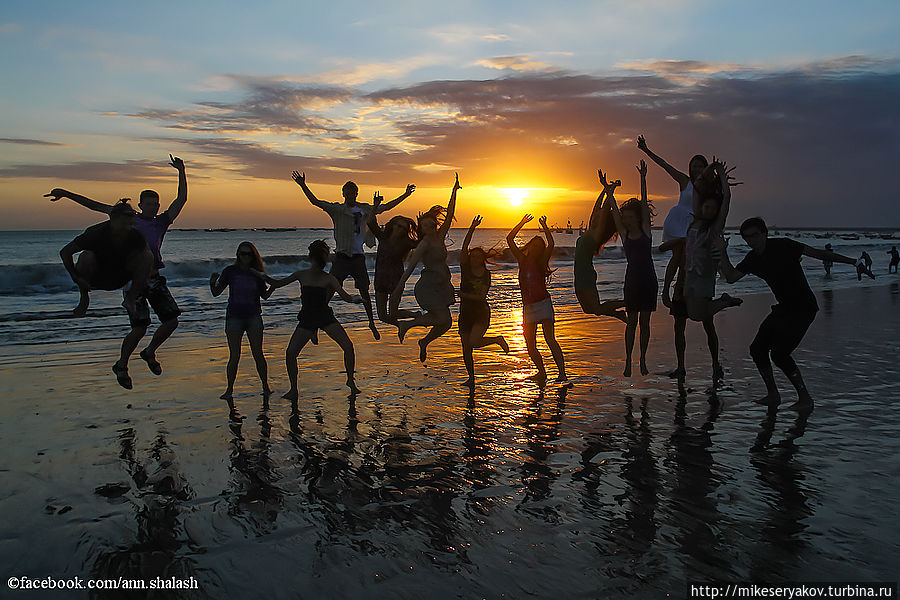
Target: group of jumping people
x,y
124,252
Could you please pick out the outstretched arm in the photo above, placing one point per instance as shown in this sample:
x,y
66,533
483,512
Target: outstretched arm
x,y
300,178
725,267
595,220
511,237
410,188
57,193
277,283
548,235
647,224
722,173
674,173
465,247
827,255
372,219
337,288
175,208
451,210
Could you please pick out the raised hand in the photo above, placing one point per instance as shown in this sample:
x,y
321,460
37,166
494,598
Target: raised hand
x,y
56,193
410,188
642,143
729,178
602,178
456,185
543,221
299,177
377,199
642,169
176,162
476,221
526,219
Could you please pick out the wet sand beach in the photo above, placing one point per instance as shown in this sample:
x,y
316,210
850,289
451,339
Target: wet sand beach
x,y
612,487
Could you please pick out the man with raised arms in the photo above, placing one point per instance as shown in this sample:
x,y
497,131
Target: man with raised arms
x,y
153,226
350,233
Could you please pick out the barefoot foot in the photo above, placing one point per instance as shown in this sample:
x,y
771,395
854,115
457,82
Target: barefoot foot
x,y
627,371
352,385
228,395
374,329
423,351
769,400
290,395
503,344
469,383
644,370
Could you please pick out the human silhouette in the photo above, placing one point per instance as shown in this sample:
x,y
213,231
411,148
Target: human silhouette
x,y
244,313
895,259
350,233
153,225
601,229
113,254
777,262
634,224
537,307
395,241
316,289
433,291
474,310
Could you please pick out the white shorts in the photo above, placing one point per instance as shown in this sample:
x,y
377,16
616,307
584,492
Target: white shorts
x,y
538,312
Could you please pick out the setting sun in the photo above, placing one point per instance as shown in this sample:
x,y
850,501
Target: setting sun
x,y
516,195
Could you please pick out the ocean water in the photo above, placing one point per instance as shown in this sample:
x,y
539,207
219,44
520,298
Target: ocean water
x,y
37,295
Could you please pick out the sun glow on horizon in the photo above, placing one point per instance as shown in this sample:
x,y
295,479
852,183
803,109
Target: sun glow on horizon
x,y
516,195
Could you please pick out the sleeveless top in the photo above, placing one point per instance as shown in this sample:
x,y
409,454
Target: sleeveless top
x,y
680,216
532,283
469,283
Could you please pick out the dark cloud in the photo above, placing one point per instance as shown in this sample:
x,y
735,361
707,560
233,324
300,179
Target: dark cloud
x,y
29,142
125,171
269,106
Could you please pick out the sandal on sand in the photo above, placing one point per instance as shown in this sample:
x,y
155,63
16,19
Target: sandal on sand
x,y
151,361
122,376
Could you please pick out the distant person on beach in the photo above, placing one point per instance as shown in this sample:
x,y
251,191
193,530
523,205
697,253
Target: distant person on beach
x,y
864,266
777,262
537,307
895,259
474,311
395,241
316,289
113,254
712,199
244,313
601,229
350,233
433,291
634,225
153,225
827,262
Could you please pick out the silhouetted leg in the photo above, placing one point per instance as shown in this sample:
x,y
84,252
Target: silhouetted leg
x,y
130,342
549,329
629,340
529,331
161,334
255,337
298,340
469,361
86,267
336,332
443,323
140,267
234,333
712,341
644,321
367,303
759,351
680,346
786,339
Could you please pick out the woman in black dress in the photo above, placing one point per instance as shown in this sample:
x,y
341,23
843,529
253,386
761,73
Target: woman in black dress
x,y
316,288
395,241
633,222
474,311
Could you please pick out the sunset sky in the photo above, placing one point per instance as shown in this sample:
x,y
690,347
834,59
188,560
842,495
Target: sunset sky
x,y
525,99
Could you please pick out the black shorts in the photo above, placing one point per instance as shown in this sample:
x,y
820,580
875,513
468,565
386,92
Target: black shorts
x,y
343,266
157,296
106,279
782,331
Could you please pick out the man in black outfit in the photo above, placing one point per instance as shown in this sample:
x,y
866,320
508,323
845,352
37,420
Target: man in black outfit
x,y
777,261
